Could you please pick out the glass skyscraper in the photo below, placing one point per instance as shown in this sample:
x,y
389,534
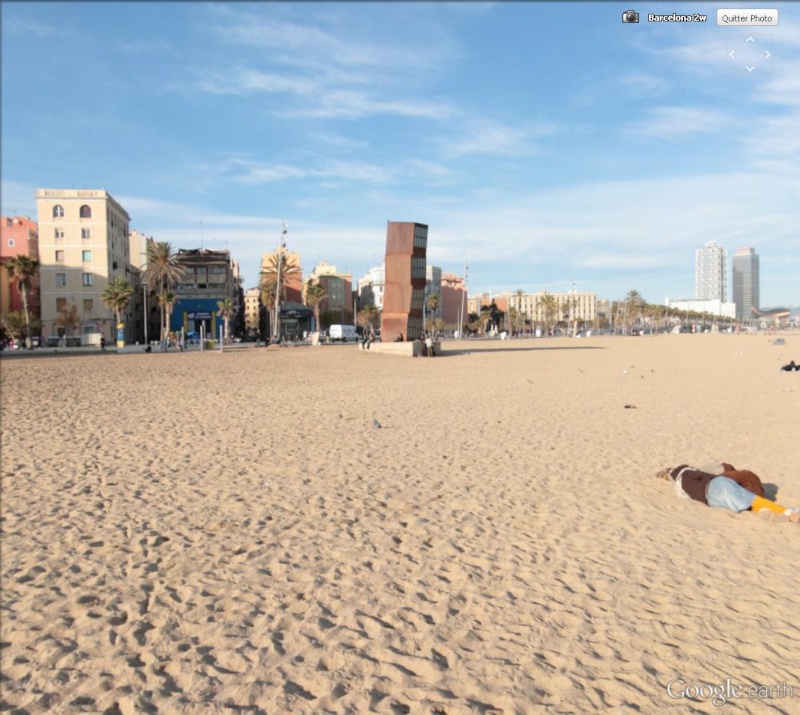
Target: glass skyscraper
x,y
745,282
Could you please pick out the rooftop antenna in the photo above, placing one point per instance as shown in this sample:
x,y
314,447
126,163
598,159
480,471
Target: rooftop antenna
x,y
202,239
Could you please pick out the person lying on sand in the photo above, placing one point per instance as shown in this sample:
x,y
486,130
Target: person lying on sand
x,y
727,488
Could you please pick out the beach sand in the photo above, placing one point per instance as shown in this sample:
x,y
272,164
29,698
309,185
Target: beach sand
x,y
216,533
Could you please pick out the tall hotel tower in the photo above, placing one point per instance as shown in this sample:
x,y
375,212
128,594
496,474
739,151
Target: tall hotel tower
x,y
745,282
710,272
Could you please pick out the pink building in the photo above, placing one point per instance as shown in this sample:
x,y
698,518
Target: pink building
x,y
19,236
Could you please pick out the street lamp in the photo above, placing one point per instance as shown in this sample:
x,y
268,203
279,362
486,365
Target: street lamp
x,y
281,249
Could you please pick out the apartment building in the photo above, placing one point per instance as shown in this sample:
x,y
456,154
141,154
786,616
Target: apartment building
x,y
19,236
252,311
208,277
371,287
338,301
83,244
710,272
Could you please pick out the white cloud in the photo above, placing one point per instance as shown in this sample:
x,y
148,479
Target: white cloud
x,y
676,123
475,136
26,26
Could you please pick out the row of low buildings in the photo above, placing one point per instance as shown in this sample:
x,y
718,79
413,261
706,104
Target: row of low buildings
x,y
83,240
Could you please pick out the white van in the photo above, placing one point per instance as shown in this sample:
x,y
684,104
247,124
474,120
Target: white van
x,y
345,333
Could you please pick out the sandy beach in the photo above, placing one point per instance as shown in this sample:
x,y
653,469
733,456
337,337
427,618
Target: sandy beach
x,y
232,533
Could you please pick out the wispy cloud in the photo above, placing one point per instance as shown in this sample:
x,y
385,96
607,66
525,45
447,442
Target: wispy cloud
x,y
26,26
476,136
675,123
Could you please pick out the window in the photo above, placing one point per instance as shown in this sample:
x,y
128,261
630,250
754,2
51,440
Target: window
x,y
61,280
59,234
61,304
86,233
87,279
58,211
86,211
88,305
59,256
87,256
11,243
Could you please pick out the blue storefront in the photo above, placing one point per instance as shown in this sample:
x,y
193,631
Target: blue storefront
x,y
190,314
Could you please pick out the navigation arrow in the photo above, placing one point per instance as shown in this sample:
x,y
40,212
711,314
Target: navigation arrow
x,y
732,54
750,68
767,54
750,39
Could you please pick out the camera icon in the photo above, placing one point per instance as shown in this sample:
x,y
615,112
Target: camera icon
x,y
630,16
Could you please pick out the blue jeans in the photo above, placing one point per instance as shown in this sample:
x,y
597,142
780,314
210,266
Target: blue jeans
x,y
727,494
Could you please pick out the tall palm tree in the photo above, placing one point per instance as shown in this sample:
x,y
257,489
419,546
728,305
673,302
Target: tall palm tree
x,y
279,270
22,269
117,295
549,307
315,294
227,310
267,288
633,306
167,301
519,293
162,272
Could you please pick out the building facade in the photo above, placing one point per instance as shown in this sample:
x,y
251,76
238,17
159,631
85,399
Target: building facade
x,y
208,278
293,277
19,236
454,301
406,250
83,245
371,286
338,303
712,306
433,286
746,282
252,312
711,281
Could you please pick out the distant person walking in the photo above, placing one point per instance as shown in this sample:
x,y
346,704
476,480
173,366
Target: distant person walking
x,y
102,342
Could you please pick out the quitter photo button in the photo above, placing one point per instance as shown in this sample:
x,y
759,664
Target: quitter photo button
x,y
742,17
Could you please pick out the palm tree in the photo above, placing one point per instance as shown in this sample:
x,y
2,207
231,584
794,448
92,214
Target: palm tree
x,y
167,301
368,317
549,307
117,295
162,272
14,324
433,304
519,292
22,269
280,271
227,310
633,305
315,294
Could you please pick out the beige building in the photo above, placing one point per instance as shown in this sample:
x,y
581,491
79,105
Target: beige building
x,y
252,307
83,244
571,306
338,302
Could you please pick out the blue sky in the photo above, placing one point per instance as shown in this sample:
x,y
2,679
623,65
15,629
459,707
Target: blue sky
x,y
544,143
